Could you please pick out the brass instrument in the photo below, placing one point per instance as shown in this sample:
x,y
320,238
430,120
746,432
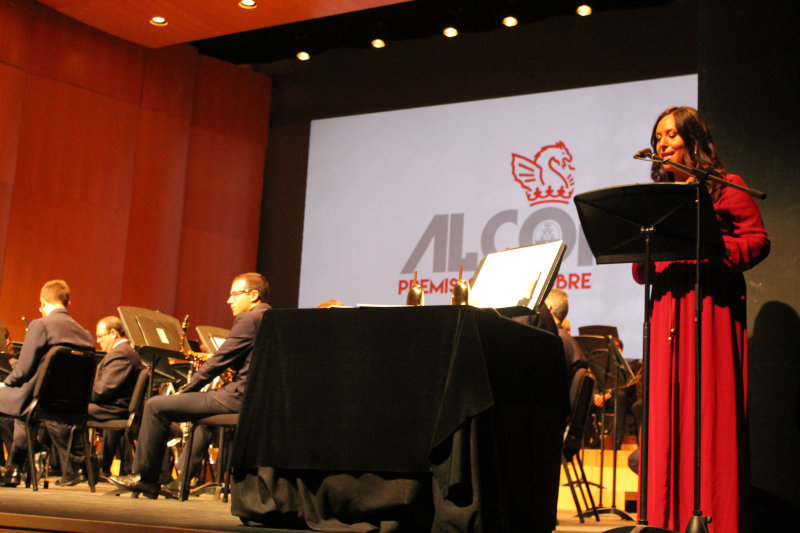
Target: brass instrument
x,y
198,358
416,296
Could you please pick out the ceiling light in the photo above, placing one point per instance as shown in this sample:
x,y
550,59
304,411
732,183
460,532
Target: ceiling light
x,y
378,43
303,56
510,22
158,21
584,10
248,4
450,31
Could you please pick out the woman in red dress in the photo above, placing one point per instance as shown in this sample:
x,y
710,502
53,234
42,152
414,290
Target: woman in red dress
x,y
681,135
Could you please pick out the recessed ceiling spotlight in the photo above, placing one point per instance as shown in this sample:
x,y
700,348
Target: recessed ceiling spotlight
x,y
450,31
248,4
303,56
378,43
510,22
158,21
584,10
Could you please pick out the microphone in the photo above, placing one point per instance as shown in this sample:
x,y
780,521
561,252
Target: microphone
x,y
643,153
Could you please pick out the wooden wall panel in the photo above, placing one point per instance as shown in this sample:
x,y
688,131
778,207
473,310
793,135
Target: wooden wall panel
x,y
220,224
67,50
16,21
12,83
224,182
232,100
169,80
71,196
154,232
111,169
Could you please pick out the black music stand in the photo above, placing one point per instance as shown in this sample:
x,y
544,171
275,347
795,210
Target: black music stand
x,y
612,373
646,223
156,337
212,337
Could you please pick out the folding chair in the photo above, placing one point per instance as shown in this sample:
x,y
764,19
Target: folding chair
x,y
127,425
61,394
226,422
583,386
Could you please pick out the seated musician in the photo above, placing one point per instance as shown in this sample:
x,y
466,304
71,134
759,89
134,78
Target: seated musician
x,y
557,302
114,381
6,423
248,303
56,327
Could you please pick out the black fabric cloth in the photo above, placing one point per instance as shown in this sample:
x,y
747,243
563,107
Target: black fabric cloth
x,y
424,398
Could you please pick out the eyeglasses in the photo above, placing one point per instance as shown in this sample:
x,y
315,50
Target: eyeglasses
x,y
234,294
99,337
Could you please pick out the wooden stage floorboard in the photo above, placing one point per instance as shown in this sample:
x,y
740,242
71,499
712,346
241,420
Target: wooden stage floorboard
x,y
77,510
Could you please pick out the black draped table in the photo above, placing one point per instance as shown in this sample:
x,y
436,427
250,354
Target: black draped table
x,y
401,419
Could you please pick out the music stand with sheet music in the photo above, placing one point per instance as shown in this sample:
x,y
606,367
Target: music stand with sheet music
x,y
156,337
647,223
516,281
212,337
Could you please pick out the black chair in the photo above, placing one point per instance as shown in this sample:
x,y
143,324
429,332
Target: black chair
x,y
127,425
61,394
227,423
582,390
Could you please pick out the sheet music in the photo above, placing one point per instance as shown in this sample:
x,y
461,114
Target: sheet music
x,y
517,277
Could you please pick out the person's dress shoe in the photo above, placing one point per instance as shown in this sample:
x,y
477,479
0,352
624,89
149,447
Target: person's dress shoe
x,y
172,490
72,478
9,476
134,483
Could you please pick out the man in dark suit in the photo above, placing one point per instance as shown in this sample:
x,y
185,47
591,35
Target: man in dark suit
x,y
56,327
248,303
114,381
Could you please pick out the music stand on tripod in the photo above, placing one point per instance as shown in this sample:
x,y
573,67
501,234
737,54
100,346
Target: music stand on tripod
x,y
156,337
612,374
647,223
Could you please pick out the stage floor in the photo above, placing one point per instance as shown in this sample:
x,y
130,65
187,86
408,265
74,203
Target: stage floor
x,y
77,510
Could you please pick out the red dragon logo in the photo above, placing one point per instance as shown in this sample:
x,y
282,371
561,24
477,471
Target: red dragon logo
x,y
546,178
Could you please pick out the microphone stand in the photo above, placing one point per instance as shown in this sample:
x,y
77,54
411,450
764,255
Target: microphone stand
x,y
698,523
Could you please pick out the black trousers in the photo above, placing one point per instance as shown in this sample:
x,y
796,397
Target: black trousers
x,y
159,413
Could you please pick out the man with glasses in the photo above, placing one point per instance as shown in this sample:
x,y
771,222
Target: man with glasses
x,y
114,381
56,327
248,302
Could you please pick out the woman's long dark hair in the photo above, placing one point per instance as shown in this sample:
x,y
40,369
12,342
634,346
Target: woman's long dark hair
x,y
700,148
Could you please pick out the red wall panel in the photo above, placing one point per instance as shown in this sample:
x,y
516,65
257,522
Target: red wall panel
x,y
15,27
224,181
134,174
69,51
71,196
12,85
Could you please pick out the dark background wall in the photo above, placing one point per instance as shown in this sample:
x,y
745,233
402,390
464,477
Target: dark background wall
x,y
745,55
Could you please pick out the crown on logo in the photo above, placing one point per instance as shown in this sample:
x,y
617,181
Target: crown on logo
x,y
548,176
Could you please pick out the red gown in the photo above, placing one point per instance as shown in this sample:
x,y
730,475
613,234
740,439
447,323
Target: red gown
x,y
724,452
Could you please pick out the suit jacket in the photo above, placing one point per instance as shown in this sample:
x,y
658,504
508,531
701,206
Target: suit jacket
x,y
234,353
58,328
115,378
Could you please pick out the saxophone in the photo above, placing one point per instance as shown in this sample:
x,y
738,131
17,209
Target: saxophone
x,y
198,358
